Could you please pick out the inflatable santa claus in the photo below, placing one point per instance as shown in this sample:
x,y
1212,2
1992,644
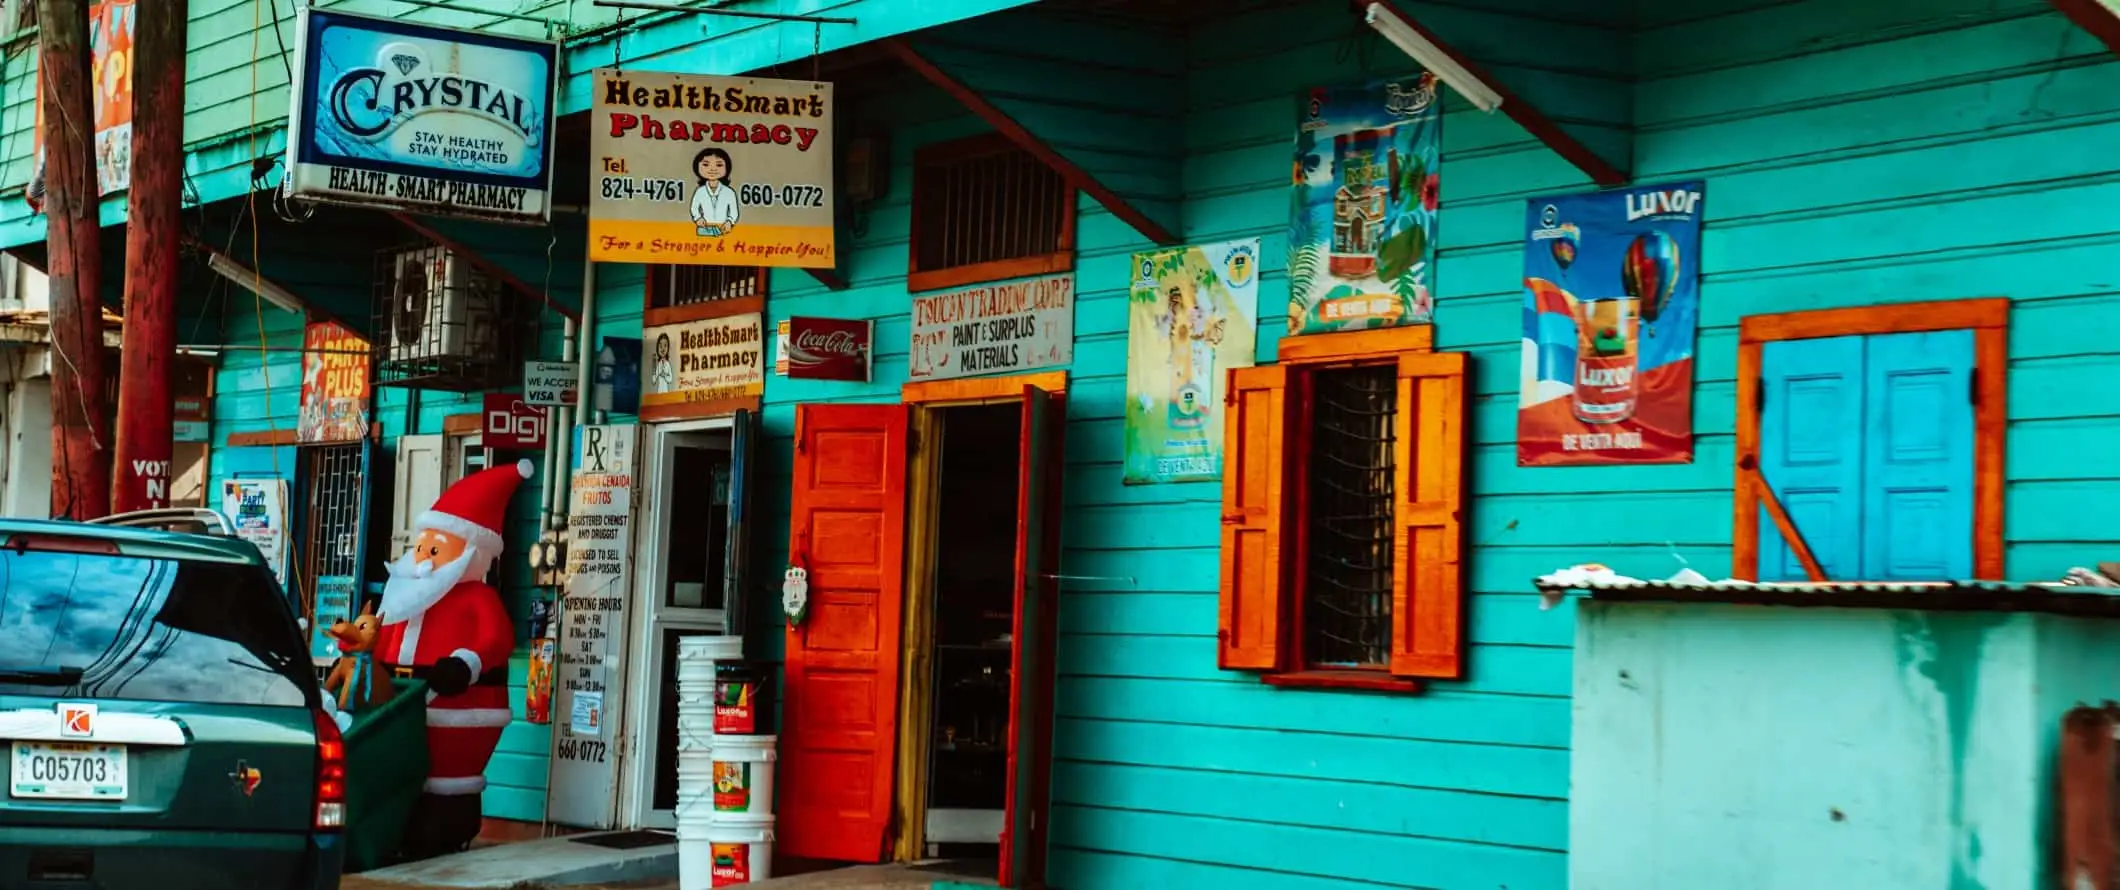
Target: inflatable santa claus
x,y
444,624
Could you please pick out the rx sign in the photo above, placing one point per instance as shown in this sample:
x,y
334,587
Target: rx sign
x,y
513,424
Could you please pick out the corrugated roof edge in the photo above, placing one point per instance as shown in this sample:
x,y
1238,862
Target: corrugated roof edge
x,y
141,542
1940,596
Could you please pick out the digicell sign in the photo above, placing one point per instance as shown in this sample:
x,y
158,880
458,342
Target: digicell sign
x,y
511,423
829,348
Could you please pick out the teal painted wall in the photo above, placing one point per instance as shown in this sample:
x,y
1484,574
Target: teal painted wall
x,y
1891,748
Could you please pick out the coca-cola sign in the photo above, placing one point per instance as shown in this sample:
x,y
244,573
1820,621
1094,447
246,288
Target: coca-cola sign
x,y
826,348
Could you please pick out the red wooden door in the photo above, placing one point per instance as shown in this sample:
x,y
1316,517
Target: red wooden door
x,y
1023,825
847,528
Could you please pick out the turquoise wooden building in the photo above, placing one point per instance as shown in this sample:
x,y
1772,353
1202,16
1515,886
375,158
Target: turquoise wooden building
x,y
1874,169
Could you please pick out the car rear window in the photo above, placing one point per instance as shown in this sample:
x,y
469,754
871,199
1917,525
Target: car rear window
x,y
147,630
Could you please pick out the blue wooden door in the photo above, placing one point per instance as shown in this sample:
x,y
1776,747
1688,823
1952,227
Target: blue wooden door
x,y
1918,457
1810,451
1868,442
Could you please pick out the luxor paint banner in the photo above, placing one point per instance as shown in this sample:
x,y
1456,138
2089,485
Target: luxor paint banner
x,y
403,116
1193,315
1001,328
711,171
1611,304
1361,238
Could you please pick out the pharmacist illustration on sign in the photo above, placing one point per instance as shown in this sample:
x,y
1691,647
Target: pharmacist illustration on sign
x,y
444,624
714,207
665,378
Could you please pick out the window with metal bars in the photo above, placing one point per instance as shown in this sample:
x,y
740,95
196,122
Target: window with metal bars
x,y
672,287
1350,501
986,210
332,524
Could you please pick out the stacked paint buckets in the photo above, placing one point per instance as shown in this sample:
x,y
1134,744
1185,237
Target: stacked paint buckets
x,y
724,767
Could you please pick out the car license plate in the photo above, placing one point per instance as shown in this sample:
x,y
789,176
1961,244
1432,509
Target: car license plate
x,y
67,771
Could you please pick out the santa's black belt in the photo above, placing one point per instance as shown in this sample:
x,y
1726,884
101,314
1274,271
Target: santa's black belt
x,y
495,677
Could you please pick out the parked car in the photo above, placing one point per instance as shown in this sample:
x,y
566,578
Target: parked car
x,y
160,717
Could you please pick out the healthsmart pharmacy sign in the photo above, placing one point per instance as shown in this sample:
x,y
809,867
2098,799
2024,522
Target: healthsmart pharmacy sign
x,y
403,116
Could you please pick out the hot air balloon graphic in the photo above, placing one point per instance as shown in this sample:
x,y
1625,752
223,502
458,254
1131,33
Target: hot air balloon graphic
x,y
1564,248
1650,272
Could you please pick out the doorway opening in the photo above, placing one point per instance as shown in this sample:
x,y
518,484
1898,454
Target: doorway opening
x,y
687,558
970,604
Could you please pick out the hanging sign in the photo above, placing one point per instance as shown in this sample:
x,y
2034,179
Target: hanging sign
x,y
402,116
699,367
994,329
192,415
1361,237
1193,316
589,669
258,509
824,348
110,46
710,171
512,424
1611,303
549,384
335,385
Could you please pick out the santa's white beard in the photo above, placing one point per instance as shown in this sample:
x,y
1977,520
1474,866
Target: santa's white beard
x,y
416,585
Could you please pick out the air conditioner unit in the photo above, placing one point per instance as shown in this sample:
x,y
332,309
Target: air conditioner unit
x,y
441,308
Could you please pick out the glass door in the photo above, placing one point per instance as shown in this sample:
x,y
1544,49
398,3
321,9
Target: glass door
x,y
683,559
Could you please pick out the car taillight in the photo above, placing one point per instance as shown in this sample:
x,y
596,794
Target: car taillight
x,y
331,774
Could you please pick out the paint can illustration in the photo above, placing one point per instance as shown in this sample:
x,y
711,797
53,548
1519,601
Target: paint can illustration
x,y
537,691
1365,165
1608,359
737,692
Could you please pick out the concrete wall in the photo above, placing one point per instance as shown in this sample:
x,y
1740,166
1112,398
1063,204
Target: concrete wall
x,y
1777,748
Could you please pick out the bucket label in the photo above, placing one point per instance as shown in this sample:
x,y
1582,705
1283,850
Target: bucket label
x,y
732,864
1608,361
733,707
732,786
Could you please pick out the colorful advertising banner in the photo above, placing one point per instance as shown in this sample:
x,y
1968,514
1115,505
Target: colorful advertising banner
x,y
699,363
335,385
1611,302
1193,315
402,116
710,171
824,348
1361,237
110,39
1002,328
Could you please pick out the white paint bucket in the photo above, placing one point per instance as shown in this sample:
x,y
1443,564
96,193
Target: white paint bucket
x,y
743,774
741,848
703,647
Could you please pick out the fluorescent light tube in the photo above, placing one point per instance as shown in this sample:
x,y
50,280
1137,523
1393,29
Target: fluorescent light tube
x,y
244,278
1431,57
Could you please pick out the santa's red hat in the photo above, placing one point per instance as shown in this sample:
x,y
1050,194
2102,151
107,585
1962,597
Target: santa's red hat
x,y
476,507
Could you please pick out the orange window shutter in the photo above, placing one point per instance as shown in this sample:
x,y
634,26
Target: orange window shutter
x,y
1427,597
1254,475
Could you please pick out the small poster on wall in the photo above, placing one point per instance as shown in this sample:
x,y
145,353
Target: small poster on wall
x,y
334,385
1361,239
697,368
1005,328
258,508
1611,303
334,603
711,171
1193,314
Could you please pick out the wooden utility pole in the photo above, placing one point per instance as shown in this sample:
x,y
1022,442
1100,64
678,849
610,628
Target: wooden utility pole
x,y
80,442
153,229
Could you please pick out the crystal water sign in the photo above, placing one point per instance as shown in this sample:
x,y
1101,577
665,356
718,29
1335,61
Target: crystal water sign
x,y
403,116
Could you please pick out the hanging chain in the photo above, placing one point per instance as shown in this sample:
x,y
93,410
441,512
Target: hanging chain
x,y
816,51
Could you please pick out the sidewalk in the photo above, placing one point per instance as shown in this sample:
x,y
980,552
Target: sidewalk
x,y
864,877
